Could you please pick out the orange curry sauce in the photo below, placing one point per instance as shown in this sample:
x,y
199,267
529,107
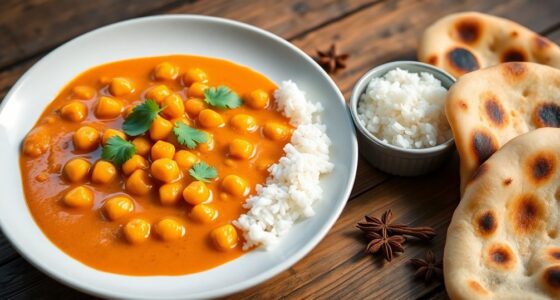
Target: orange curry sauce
x,y
87,234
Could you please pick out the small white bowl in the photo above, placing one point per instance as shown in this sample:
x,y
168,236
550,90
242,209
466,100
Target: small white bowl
x,y
393,159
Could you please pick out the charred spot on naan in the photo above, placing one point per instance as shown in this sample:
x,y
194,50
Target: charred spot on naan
x,y
547,115
513,70
541,167
551,279
507,181
495,112
462,60
463,105
513,55
433,60
477,287
526,214
500,257
483,144
541,42
553,254
468,30
486,223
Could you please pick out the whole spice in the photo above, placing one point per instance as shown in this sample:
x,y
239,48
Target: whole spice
x,y
389,237
389,245
330,60
428,269
384,225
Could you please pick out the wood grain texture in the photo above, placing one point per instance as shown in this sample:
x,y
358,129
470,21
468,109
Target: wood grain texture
x,y
32,26
380,32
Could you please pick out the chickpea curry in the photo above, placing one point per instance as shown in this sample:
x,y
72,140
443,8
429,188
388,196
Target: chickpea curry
x,y
140,166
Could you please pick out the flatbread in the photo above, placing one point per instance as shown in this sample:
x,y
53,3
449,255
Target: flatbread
x,y
468,41
489,107
504,239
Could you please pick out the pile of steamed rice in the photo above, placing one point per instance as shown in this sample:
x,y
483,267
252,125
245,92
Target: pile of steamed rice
x,y
405,109
293,184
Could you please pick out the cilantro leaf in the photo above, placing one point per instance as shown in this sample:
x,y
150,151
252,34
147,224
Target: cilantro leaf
x,y
141,118
222,97
117,150
188,136
203,172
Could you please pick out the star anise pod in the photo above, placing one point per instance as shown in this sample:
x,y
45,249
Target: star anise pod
x,y
384,225
330,60
428,269
389,245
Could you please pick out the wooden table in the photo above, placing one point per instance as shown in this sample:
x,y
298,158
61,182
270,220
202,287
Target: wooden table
x,y
372,32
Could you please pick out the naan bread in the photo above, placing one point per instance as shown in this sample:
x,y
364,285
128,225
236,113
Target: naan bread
x,y
464,42
489,107
504,239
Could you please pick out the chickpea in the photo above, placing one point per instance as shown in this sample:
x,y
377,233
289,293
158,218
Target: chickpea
x,y
170,193
120,86
210,119
235,185
136,162
74,111
160,129
166,170
36,142
257,99
77,169
137,231
158,93
194,106
118,207
108,108
243,123
166,71
79,197
169,229
224,237
139,183
109,133
196,90
276,131
143,145
162,149
83,92
194,75
174,106
185,159
86,138
240,148
204,213
196,192
103,172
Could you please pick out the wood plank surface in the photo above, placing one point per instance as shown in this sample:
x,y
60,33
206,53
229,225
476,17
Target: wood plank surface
x,y
373,32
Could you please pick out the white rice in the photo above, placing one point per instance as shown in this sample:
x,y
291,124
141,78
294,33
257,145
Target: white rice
x,y
405,109
293,186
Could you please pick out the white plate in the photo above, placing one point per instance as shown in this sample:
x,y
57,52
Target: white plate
x,y
153,36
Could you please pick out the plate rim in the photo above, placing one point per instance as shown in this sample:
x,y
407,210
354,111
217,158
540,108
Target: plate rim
x,y
246,282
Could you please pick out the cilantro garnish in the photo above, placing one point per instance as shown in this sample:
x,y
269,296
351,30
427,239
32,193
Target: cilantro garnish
x,y
188,136
203,172
222,97
117,150
141,118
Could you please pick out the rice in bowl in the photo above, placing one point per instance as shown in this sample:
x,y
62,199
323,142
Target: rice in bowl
x,y
405,109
